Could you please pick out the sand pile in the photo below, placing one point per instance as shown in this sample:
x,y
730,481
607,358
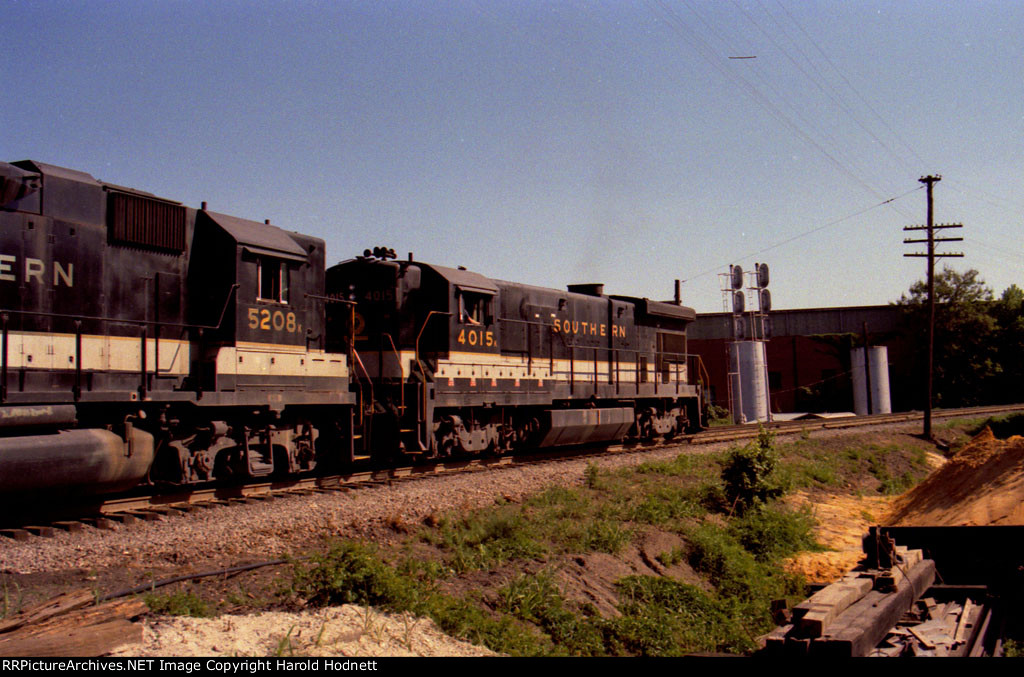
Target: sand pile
x,y
842,521
983,484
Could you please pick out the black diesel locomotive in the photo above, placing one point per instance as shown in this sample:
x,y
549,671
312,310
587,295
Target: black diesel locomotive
x,y
459,363
142,341
146,341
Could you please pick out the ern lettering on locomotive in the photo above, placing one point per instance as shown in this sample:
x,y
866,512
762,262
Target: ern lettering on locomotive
x,y
143,341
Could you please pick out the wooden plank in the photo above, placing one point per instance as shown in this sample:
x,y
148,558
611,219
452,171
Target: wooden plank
x,y
89,631
825,605
60,604
856,632
93,640
15,534
42,531
921,638
70,527
961,625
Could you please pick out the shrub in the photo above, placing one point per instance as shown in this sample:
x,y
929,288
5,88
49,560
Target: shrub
x,y
747,474
770,533
353,573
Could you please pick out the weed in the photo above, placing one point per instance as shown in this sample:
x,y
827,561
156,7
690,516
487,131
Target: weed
x,y
536,599
770,532
663,617
284,645
409,622
605,536
665,503
889,484
352,573
486,538
592,476
10,606
749,580
718,416
178,604
320,635
672,557
374,630
560,503
689,466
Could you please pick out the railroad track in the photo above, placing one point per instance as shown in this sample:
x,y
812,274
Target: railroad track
x,y
110,511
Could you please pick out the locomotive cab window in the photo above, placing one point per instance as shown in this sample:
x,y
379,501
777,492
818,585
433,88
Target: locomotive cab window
x,y
272,279
474,308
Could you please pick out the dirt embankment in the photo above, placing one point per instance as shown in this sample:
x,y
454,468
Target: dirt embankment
x,y
983,484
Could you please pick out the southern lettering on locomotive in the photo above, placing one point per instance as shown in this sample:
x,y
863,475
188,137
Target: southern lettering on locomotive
x,y
463,363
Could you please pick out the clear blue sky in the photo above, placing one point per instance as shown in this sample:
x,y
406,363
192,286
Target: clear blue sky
x,y
553,142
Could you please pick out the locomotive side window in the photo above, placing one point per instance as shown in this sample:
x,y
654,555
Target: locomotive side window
x,y
272,279
474,308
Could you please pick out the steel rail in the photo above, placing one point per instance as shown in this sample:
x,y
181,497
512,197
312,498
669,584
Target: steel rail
x,y
158,503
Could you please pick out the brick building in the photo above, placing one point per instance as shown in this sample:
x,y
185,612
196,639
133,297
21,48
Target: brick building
x,y
808,355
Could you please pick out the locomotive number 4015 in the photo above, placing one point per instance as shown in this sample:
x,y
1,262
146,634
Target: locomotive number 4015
x,y
476,337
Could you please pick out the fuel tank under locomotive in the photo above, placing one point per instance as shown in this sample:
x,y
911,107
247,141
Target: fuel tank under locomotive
x,y
39,455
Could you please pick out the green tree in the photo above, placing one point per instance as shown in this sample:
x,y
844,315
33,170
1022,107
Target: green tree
x,y
966,330
1009,313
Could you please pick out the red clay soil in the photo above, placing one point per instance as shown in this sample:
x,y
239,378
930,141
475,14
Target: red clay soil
x,y
983,484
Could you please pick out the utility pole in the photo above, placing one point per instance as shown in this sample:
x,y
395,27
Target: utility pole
x,y
931,227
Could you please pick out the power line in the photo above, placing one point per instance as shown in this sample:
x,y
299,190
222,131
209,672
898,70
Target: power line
x,y
716,60
805,233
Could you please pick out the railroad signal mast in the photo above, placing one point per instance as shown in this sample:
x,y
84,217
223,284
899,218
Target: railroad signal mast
x,y
931,240
749,395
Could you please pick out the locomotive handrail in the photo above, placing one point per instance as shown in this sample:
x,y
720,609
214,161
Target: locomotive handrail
x,y
119,320
355,359
422,410
76,389
619,372
398,358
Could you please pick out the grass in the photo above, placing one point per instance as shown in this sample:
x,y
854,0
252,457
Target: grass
x,y
179,603
355,573
737,553
493,576
1002,427
487,538
895,468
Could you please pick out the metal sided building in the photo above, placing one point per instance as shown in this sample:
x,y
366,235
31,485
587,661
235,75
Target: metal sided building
x,y
808,355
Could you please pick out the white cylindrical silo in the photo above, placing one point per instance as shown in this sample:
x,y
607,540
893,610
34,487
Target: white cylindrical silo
x,y
750,381
878,369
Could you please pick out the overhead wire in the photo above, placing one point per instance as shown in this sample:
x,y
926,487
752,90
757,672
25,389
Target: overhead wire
x,y
804,234
819,81
706,51
849,84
